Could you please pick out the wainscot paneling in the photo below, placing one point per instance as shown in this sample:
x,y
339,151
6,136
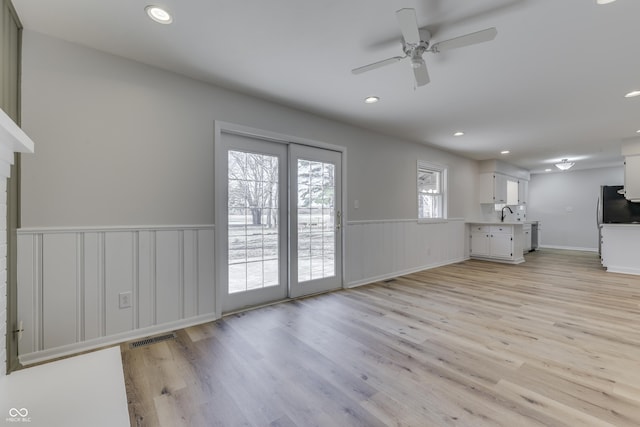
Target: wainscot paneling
x,y
379,250
72,283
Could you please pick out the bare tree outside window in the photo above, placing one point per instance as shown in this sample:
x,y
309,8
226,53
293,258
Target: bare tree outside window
x,y
431,191
253,212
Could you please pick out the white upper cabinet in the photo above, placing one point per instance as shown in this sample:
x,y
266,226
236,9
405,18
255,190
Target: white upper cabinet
x,y
499,188
632,178
523,191
512,191
502,183
493,188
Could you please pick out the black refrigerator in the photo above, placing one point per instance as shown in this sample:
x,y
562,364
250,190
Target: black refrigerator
x,y
613,208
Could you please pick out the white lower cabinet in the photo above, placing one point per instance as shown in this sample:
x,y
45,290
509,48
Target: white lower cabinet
x,y
496,242
528,243
480,241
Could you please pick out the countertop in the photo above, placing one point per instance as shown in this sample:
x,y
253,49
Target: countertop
x,y
501,223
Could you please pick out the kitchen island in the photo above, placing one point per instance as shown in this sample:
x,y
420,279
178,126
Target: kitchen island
x,y
619,250
500,241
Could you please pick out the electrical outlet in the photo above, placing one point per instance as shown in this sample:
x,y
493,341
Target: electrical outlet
x,y
124,299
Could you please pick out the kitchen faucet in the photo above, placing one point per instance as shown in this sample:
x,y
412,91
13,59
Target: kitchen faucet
x,y
503,215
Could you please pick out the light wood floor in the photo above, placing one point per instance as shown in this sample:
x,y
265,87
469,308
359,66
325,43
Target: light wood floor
x,y
551,342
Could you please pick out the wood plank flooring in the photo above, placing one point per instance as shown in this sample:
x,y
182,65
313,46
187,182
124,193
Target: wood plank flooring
x,y
551,342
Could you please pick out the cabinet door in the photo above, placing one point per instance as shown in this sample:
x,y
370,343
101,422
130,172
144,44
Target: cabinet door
x,y
502,246
500,188
512,192
632,178
486,188
480,244
527,239
523,192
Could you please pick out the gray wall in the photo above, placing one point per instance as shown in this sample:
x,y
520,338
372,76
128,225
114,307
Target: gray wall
x,y
565,204
122,143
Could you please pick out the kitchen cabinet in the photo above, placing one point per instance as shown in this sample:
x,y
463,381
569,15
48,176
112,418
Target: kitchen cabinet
x,y
501,241
480,240
619,251
512,192
500,189
493,188
632,178
497,242
527,245
523,191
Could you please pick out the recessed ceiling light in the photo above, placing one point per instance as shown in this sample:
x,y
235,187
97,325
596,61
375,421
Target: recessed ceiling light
x,y
505,152
638,131
159,14
547,170
371,99
632,94
604,1
459,133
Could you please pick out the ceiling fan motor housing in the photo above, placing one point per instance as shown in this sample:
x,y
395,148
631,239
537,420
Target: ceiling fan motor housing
x,y
415,51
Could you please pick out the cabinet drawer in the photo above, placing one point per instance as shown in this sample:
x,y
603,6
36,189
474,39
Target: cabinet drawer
x,y
478,228
501,229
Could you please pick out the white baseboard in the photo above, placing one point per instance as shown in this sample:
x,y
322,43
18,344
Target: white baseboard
x,y
623,270
395,274
70,349
569,248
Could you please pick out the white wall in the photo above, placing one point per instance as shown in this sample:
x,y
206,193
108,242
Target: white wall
x,y
127,145
124,143
565,204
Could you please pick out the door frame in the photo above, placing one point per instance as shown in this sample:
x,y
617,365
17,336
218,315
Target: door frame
x,y
220,206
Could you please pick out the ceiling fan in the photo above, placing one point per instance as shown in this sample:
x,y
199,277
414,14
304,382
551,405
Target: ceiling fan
x,y
415,42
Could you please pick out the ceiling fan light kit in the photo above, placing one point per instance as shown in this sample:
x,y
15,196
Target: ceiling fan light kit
x,y
416,41
565,164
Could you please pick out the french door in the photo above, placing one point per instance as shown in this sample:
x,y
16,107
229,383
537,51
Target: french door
x,y
315,218
280,233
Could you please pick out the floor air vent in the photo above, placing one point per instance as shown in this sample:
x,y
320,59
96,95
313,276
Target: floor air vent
x,y
152,340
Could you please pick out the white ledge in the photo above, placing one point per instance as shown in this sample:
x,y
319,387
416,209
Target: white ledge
x,y
12,137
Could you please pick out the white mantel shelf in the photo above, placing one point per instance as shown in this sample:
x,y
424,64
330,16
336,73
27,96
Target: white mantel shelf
x,y
12,138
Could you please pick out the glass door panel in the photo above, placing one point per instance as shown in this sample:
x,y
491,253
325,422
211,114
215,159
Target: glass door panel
x,y
252,221
255,257
316,214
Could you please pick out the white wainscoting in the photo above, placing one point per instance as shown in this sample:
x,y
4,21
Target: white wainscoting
x,y
70,281
379,250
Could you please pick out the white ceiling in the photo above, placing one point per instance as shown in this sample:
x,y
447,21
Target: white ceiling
x,y
550,86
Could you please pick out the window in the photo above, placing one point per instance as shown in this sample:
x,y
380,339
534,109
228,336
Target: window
x,y
432,185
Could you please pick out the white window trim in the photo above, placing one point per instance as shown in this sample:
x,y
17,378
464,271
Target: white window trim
x,y
423,164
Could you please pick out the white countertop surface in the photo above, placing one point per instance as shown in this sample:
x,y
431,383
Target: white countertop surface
x,y
501,223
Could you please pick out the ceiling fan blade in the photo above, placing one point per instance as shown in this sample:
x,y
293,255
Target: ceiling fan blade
x,y
421,74
375,65
466,40
408,25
